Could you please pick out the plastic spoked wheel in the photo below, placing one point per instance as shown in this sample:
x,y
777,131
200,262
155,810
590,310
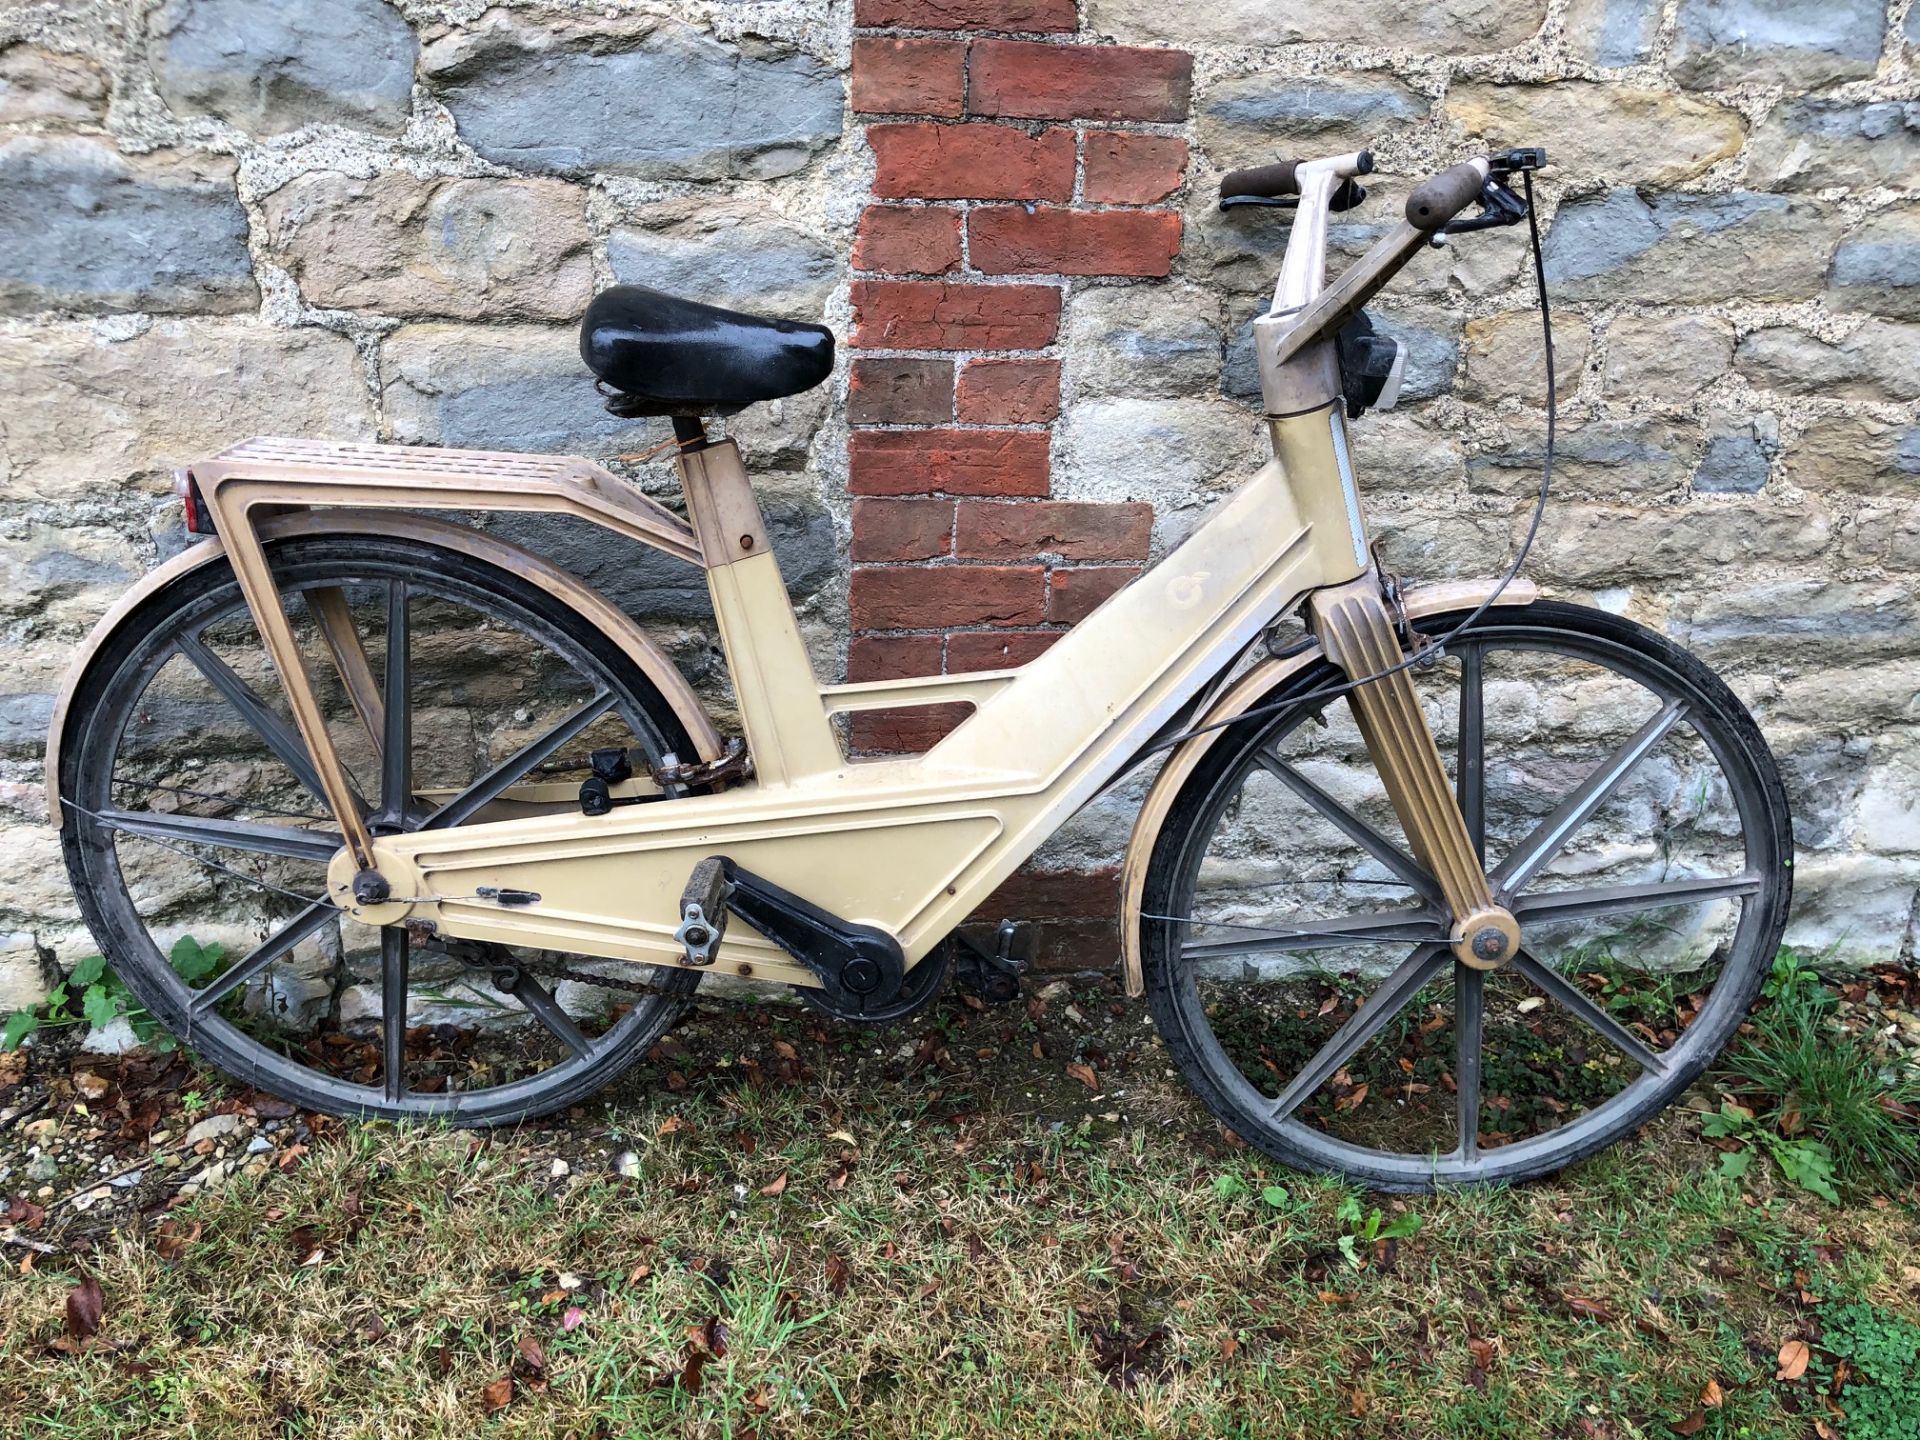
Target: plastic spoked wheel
x,y
1630,817
198,841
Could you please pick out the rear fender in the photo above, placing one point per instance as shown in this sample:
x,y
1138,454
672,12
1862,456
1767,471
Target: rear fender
x,y
1241,696
600,612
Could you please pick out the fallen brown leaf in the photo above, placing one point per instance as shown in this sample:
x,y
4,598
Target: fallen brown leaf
x,y
776,1186
1712,1396
1693,1424
1793,1358
838,1274
497,1395
86,1308
1084,1074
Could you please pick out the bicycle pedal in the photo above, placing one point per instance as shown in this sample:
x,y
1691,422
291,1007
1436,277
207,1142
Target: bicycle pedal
x,y
703,910
994,975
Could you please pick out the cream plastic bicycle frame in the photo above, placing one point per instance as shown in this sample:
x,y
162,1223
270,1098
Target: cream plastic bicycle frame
x,y
910,844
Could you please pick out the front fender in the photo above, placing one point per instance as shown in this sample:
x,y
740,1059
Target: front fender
x,y
1238,698
602,613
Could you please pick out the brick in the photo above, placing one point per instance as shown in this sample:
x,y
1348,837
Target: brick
x,y
1025,16
1013,240
1009,392
1071,530
1126,169
1076,594
893,657
909,77
973,650
882,390
971,162
1074,945
911,731
902,529
934,597
1055,895
934,315
1031,80
907,240
956,462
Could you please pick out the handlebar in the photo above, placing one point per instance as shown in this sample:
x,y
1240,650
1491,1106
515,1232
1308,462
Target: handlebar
x,y
1306,309
1437,200
1268,184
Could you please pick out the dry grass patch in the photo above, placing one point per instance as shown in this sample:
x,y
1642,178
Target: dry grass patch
x,y
864,1259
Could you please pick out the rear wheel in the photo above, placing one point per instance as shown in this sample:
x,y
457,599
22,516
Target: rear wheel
x,y
1296,961
198,841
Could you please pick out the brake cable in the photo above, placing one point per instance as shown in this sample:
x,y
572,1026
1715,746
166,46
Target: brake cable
x,y
1433,649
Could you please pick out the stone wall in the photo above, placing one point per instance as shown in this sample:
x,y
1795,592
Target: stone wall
x,y
366,219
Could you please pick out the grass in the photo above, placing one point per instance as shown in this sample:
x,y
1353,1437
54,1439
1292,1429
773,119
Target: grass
x,y
925,1272
1805,1085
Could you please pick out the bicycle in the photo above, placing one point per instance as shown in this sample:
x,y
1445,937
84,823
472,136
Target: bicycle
x,y
560,835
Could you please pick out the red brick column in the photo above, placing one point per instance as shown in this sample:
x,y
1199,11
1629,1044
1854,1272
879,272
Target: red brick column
x,y
1004,169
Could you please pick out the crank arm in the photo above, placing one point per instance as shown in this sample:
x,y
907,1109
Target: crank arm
x,y
860,967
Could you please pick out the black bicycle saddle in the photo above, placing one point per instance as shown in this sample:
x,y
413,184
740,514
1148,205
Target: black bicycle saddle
x,y
667,356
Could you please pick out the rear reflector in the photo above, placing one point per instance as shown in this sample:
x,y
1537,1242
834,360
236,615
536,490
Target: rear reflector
x,y
199,518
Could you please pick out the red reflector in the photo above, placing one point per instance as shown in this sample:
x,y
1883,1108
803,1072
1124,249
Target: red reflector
x,y
199,519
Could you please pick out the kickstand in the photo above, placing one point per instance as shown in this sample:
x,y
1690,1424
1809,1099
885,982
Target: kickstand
x,y
993,975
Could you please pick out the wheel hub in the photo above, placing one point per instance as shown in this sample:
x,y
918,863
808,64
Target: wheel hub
x,y
1486,939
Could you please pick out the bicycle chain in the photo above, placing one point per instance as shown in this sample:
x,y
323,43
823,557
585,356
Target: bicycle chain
x,y
558,970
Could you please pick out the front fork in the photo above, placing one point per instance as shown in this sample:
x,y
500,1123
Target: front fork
x,y
1356,631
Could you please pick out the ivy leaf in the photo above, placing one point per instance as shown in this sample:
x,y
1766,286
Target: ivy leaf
x,y
86,972
20,1024
1733,1164
1809,1165
1275,1195
100,1006
193,961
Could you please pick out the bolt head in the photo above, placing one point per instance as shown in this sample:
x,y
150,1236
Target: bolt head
x,y
1490,943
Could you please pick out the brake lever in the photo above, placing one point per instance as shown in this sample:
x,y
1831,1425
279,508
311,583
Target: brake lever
x,y
1346,197
1498,206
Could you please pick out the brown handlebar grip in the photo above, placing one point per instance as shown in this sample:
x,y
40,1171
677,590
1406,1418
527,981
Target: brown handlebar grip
x,y
1265,181
1441,197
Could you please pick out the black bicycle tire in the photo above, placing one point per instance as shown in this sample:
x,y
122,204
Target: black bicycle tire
x,y
126,945
1174,1006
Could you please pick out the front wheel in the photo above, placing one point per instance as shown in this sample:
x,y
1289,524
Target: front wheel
x,y
1628,813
